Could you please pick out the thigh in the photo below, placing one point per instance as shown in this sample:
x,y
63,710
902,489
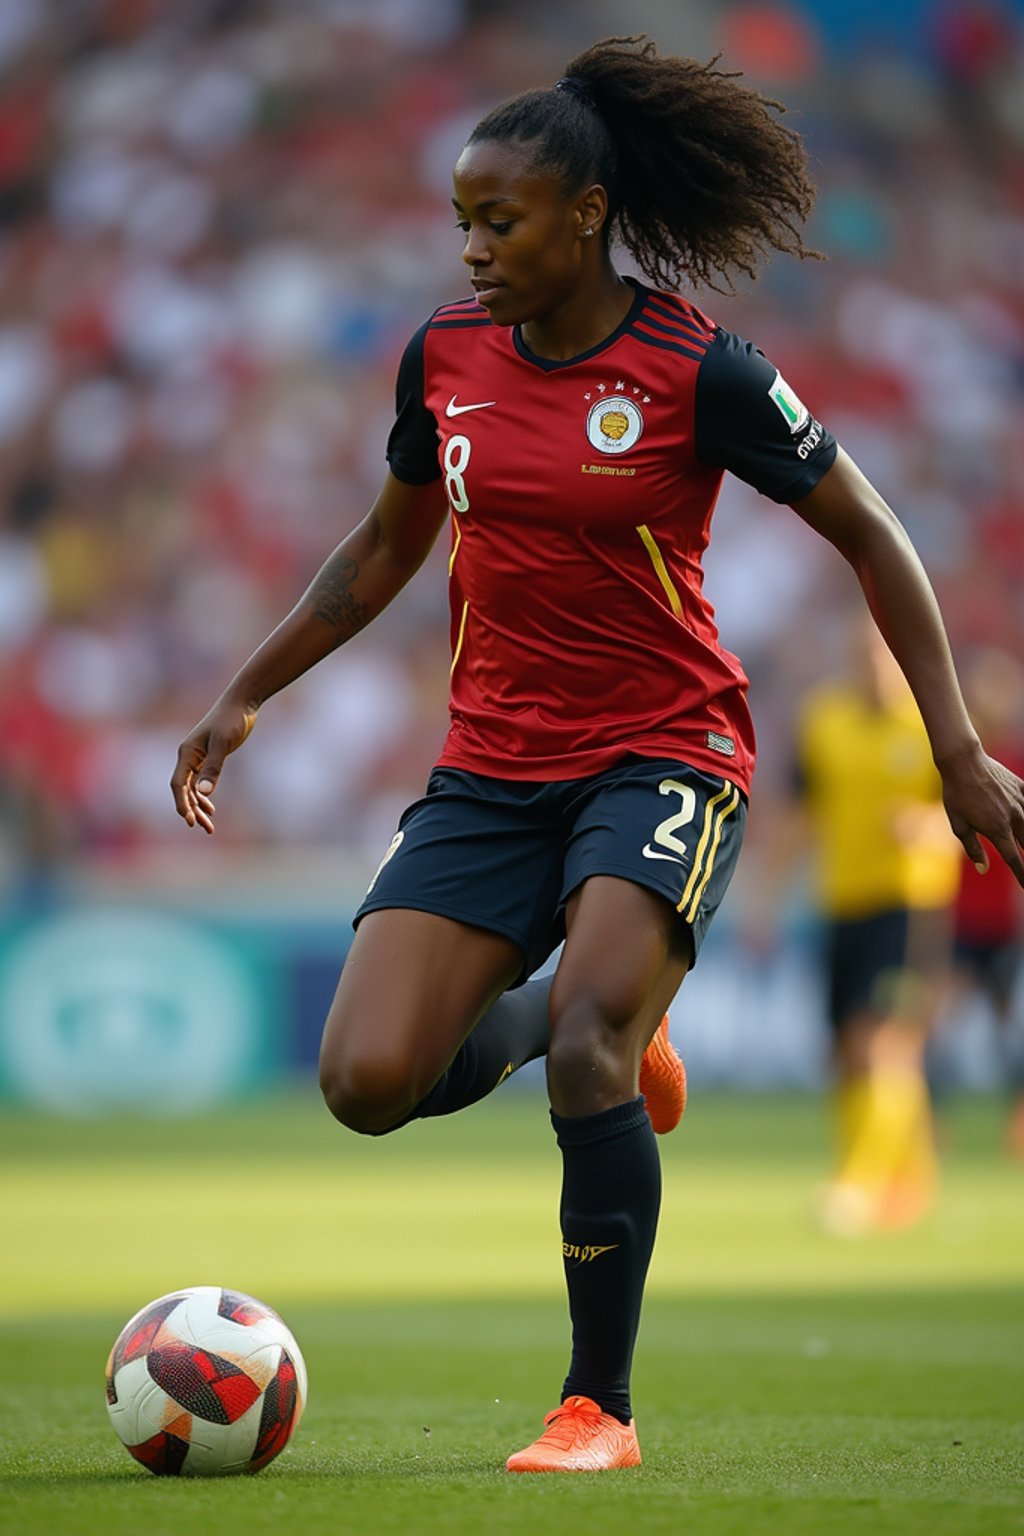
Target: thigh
x,y
411,990
626,953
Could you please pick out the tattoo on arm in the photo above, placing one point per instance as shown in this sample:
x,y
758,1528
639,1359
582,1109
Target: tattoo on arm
x,y
333,600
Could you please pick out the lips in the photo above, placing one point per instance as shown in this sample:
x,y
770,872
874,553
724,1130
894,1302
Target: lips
x,y
486,288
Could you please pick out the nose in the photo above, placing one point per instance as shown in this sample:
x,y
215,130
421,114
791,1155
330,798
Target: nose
x,y
475,252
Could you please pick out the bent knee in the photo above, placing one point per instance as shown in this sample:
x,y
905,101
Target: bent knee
x,y
591,1056
577,1054
573,1052
368,1096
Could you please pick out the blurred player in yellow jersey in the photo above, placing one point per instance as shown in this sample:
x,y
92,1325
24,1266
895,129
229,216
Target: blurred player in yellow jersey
x,y
887,872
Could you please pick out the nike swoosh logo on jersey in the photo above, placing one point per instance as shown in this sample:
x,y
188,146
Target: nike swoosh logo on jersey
x,y
650,853
458,410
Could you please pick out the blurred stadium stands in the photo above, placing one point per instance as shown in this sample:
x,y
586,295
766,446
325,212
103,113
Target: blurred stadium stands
x,y
219,222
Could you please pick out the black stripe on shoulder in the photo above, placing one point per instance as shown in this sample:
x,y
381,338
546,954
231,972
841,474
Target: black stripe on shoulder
x,y
683,309
460,325
678,305
695,350
671,328
680,316
459,307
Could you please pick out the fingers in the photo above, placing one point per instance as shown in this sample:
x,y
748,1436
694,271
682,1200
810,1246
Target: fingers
x,y
204,784
1008,843
1010,846
201,758
988,805
202,809
190,755
975,849
210,773
1012,855
1009,849
192,782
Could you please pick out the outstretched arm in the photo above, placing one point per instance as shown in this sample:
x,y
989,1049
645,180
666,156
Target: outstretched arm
x,y
355,583
980,795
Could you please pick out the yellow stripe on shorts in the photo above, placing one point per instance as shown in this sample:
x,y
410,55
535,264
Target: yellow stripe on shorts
x,y
715,814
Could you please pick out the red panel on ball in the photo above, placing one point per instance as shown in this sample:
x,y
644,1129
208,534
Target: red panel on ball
x,y
163,1454
242,1309
130,1346
280,1405
237,1393
211,1388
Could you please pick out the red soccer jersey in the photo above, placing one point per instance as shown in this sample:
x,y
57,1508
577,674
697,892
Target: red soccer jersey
x,y
581,495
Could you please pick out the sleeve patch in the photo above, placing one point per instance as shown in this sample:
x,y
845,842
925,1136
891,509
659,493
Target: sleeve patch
x,y
789,405
749,421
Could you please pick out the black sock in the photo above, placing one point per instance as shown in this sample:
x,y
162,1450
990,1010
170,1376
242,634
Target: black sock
x,y
513,1031
611,1194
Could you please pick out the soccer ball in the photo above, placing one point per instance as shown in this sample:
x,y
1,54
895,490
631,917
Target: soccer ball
x,y
205,1381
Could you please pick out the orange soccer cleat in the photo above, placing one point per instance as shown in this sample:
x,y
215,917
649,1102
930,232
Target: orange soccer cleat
x,y
663,1081
579,1438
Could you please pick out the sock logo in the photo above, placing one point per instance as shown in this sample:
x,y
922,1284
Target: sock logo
x,y
586,1253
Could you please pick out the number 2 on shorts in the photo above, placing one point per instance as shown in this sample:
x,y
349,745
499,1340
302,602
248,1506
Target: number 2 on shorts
x,y
665,832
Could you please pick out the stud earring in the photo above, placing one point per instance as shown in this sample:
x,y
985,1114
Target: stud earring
x,y
588,231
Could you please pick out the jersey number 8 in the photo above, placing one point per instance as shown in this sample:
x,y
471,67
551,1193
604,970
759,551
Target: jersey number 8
x,y
456,458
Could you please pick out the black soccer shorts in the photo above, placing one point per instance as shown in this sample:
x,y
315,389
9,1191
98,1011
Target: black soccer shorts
x,y
506,855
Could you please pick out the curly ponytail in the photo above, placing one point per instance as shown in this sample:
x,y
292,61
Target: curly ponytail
x,y
703,180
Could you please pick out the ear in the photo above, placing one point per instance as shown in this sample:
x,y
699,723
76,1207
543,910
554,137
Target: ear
x,y
591,211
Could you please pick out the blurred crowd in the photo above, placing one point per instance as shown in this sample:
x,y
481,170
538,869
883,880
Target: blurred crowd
x,y
220,220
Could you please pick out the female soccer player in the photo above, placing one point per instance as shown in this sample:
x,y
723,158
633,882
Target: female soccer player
x,y
575,424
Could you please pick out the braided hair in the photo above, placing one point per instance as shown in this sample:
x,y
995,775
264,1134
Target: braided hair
x,y
703,179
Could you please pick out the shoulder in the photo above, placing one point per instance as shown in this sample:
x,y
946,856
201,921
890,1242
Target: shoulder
x,y
462,315
736,377
458,317
670,324
446,335
735,366
750,421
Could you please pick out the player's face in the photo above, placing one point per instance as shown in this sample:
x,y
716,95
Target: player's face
x,y
523,234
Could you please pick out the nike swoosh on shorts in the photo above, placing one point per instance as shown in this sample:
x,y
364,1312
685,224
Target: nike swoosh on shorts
x,y
649,853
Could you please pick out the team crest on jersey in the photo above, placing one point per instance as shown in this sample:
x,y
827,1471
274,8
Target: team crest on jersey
x,y
614,424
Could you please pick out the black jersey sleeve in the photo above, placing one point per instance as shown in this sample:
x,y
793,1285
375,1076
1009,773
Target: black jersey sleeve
x,y
750,422
412,441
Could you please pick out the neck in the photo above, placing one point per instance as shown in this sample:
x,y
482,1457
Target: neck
x,y
586,319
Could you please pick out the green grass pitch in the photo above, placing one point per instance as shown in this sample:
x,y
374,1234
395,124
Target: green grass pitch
x,y
785,1382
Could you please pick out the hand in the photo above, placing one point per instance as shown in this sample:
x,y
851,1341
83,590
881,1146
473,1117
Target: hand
x,y
982,797
201,758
